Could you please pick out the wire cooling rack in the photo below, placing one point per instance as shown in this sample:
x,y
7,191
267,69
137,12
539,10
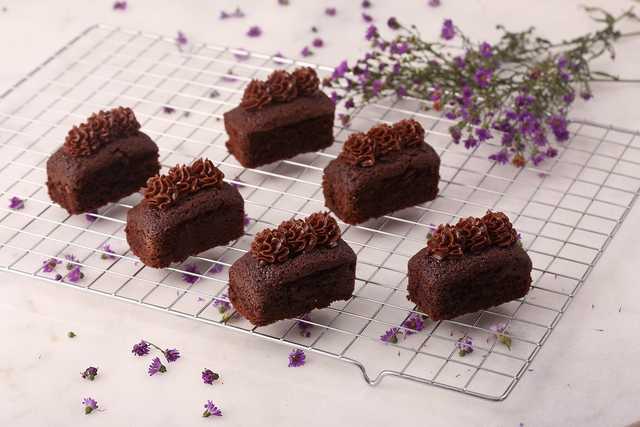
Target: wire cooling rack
x,y
567,211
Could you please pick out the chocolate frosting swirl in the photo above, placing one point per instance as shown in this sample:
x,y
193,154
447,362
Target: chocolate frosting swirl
x,y
444,243
299,235
359,150
410,132
256,95
181,180
473,235
269,246
385,139
501,232
100,128
282,86
325,228
306,80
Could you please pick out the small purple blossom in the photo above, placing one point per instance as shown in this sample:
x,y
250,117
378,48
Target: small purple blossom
x,y
91,216
190,274
372,32
330,11
376,86
448,31
306,52
486,50
90,373
399,48
108,252
317,42
434,3
483,77
156,366
464,346
348,104
16,203
208,376
211,409
586,95
50,264
470,142
459,62
569,97
254,31
501,157
393,23
171,355
390,336
238,13
296,358
340,71
483,134
365,4
246,220
181,40
222,304
414,323
120,5
89,404
366,17
503,338
75,274
141,348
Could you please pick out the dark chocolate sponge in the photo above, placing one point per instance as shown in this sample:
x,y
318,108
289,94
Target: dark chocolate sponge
x,y
197,222
265,293
280,130
444,289
116,170
404,178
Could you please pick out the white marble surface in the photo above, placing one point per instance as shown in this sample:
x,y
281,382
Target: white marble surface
x,y
586,374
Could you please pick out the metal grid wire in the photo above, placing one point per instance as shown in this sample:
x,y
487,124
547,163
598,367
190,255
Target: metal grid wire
x,y
567,211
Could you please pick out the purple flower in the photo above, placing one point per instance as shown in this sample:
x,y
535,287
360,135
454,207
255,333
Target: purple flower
x,y
91,216
181,40
306,52
235,14
413,323
216,268
399,48
246,220
551,152
330,11
190,274
459,62
448,31
108,252
296,358
569,97
335,97
470,142
171,355
254,31
168,110
455,133
401,91
486,50
75,274
393,23
211,409
90,373
349,103
483,77
483,134
89,404
156,366
16,203
366,17
50,264
540,138
434,3
317,42
586,95
501,157
376,87
222,303
208,376
558,126
141,348
304,325
120,5
538,158
366,4
391,335
340,70
464,346
372,32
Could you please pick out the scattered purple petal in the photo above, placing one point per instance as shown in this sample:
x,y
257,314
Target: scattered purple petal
x,y
464,346
304,325
108,252
168,110
91,216
16,203
50,264
366,17
181,40
393,23
391,335
75,275
141,348
254,31
318,42
366,4
486,50
208,376
247,221
414,323
216,268
120,5
296,358
89,404
171,355
223,305
189,274
90,373
330,11
448,30
211,409
306,52
238,13
156,366
434,3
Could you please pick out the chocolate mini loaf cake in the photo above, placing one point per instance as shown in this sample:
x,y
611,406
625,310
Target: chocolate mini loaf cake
x,y
101,161
476,264
280,118
289,271
185,212
381,171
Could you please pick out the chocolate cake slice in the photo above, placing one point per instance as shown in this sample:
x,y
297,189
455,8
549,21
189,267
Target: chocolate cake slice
x,y
301,265
387,169
476,264
183,213
280,118
101,161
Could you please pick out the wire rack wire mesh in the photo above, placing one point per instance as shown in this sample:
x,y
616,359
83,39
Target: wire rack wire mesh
x,y
567,210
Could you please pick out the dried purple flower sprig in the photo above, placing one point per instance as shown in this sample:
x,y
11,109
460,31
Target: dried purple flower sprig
x,y
90,405
90,373
143,347
520,88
